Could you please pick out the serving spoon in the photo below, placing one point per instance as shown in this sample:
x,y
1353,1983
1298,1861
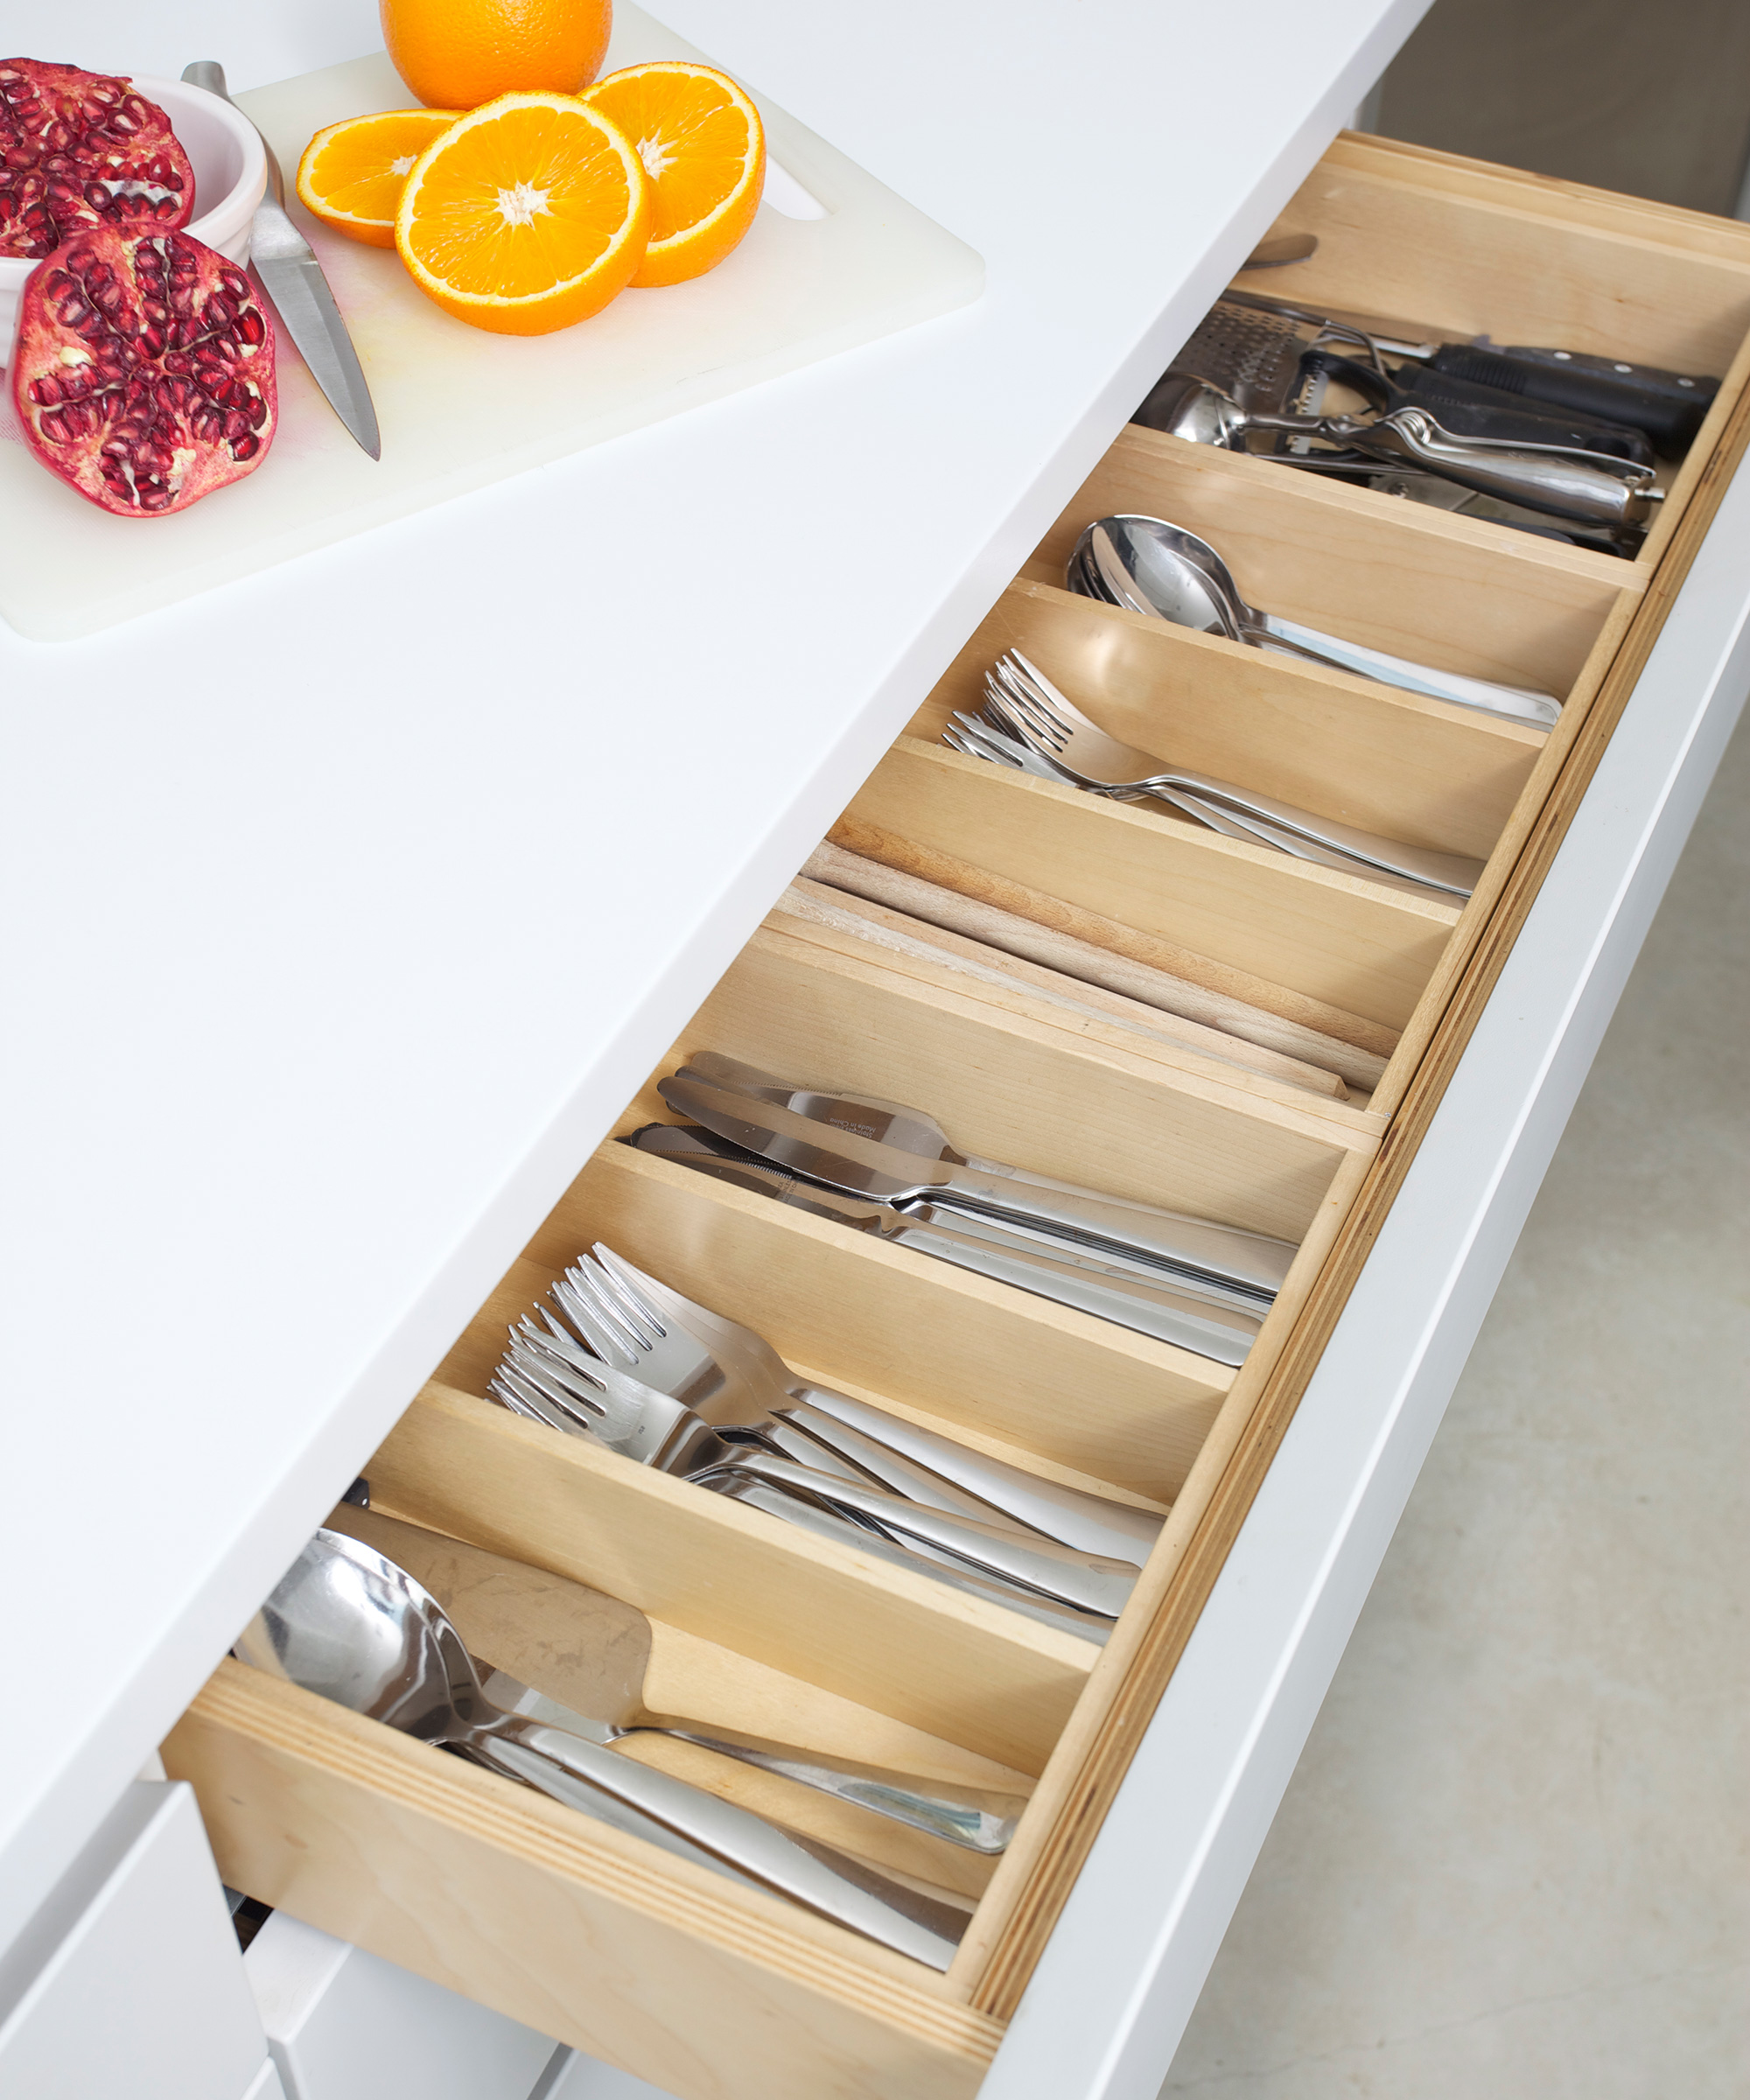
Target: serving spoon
x,y
1148,565
348,1624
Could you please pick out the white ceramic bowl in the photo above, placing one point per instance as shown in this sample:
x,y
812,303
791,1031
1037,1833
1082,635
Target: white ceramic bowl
x,y
230,178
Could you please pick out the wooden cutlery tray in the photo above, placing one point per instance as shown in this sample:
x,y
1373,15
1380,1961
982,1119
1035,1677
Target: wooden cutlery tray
x,y
704,1988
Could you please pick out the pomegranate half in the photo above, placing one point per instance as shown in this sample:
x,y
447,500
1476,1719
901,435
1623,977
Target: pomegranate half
x,y
143,372
83,149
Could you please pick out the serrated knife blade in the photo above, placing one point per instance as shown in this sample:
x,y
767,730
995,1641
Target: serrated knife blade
x,y
292,278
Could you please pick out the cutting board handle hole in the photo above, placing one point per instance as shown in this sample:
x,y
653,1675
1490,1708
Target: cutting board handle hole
x,y
784,193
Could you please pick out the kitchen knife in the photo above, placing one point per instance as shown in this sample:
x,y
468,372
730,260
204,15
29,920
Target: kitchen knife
x,y
858,1166
1067,1275
1669,407
588,1653
292,278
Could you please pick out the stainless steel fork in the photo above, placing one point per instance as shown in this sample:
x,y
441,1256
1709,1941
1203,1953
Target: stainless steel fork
x,y
1032,710
985,736
549,1377
683,1349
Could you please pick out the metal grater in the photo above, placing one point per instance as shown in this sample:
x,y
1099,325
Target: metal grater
x,y
1255,357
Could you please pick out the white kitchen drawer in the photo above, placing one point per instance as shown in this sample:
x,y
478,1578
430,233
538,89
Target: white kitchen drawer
x,y
1160,1764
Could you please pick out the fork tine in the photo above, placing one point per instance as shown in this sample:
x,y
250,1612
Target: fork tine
x,y
1023,720
623,1280
617,1296
1029,706
1043,695
600,1325
1059,701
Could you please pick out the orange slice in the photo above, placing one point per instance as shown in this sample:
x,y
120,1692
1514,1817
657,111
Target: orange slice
x,y
701,141
353,173
525,215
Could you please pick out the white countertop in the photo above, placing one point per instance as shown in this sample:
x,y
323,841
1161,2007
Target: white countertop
x,y
348,904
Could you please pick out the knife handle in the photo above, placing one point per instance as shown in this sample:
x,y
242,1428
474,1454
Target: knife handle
x,y
1468,409
210,74
1159,1243
1656,403
1129,1302
568,1769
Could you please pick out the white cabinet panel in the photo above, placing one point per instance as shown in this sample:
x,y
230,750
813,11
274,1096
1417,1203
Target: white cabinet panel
x,y
127,1984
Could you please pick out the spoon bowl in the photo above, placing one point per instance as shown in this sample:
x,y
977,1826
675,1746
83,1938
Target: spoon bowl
x,y
1151,566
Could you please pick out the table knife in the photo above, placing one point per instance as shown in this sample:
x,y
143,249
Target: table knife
x,y
858,1166
292,278
1208,1324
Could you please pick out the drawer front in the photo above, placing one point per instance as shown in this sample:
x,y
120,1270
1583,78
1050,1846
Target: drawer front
x,y
1319,1020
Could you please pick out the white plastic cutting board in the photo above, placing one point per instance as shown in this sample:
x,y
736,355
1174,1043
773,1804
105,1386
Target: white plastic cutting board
x,y
459,408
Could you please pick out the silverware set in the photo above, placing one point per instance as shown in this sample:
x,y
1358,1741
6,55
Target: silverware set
x,y
1150,566
1028,722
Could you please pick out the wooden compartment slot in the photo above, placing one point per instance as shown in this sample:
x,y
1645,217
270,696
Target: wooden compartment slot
x,y
1370,755
1394,576
1434,246
1348,944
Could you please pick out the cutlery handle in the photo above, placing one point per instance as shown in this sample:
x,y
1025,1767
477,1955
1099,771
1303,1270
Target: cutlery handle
x,y
1071,1516
812,1515
568,1769
1163,1244
1085,1581
1586,487
1517,702
972,1817
1669,406
1440,871
1131,1301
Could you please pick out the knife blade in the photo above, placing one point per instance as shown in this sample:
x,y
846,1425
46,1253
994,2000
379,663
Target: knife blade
x,y
859,1167
292,278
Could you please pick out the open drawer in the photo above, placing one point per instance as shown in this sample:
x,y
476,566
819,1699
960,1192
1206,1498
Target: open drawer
x,y
705,1988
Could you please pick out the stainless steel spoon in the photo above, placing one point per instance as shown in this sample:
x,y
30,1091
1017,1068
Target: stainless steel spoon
x,y
1149,566
347,1623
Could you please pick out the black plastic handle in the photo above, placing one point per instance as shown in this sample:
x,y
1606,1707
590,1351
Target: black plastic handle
x,y
1469,411
1652,402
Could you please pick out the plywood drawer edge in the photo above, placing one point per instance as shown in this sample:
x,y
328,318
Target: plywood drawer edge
x,y
485,1887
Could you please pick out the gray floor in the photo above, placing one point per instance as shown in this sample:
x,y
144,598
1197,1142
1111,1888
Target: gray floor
x,y
1512,1864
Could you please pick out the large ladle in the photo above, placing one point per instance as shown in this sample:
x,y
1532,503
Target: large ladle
x,y
1150,566
345,1622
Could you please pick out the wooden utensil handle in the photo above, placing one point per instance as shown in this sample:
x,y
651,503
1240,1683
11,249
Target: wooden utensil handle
x,y
949,891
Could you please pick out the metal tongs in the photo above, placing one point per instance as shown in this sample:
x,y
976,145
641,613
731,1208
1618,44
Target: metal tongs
x,y
1559,480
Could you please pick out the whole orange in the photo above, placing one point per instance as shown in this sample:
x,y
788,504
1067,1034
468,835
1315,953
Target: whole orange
x,y
456,55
